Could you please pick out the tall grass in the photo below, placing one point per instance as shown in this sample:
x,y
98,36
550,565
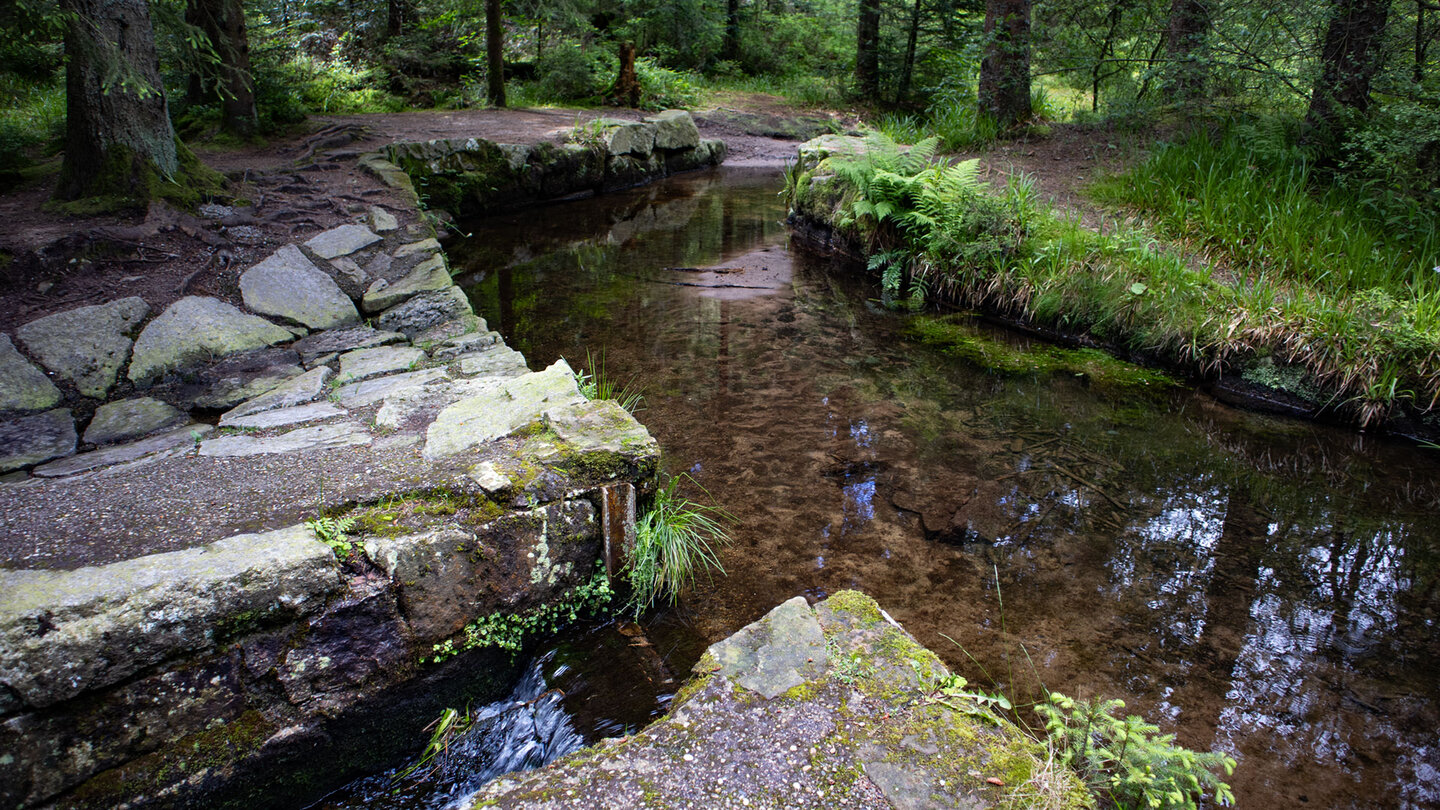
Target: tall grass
x,y
675,542
33,115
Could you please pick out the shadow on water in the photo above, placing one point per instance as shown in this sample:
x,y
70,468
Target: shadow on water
x,y
1261,586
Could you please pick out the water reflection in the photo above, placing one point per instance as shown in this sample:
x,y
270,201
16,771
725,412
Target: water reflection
x,y
1266,587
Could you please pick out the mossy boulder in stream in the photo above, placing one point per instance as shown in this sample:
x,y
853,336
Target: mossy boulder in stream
x,y
830,706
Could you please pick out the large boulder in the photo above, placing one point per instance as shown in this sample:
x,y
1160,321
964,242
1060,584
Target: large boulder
x,y
675,129
87,346
195,329
287,286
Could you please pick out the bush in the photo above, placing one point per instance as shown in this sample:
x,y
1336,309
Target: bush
x,y
662,88
575,73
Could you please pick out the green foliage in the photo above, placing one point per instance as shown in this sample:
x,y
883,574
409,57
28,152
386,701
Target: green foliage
x,y
597,384
333,532
508,631
952,691
1128,761
574,73
445,728
675,540
662,88
33,117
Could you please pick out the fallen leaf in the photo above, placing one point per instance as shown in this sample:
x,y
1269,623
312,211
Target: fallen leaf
x,y
992,780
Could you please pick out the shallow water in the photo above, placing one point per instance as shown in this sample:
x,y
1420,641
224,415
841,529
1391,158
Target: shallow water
x,y
1262,586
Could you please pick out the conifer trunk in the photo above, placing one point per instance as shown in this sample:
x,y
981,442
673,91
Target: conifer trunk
x,y
867,51
1004,91
223,22
118,136
1184,47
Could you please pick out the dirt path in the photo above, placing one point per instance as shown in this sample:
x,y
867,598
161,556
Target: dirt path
x,y
51,262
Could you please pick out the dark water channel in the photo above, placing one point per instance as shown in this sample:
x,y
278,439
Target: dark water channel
x,y
1262,586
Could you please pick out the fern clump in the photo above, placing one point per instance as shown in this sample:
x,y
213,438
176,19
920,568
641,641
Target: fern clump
x,y
917,213
1129,761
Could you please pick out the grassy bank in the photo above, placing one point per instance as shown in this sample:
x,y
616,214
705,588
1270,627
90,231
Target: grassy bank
x,y
1316,297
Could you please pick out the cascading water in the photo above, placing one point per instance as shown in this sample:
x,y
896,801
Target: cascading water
x,y
527,729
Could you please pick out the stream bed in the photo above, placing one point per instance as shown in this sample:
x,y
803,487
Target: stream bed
x,y
1041,519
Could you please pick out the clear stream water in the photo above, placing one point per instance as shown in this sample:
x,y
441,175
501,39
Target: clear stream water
x,y
1257,585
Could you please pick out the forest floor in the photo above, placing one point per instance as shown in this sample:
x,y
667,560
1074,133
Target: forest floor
x,y
50,261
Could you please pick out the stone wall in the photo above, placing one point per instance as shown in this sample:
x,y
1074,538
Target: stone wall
x,y
473,177
173,633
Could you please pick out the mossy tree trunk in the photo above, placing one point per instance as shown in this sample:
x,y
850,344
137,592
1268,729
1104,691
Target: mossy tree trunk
x,y
1004,91
1349,58
118,137
627,84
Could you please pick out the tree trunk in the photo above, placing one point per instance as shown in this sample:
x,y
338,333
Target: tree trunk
x,y
730,50
627,85
1349,59
908,70
1184,46
117,129
494,54
1004,92
223,22
397,15
867,51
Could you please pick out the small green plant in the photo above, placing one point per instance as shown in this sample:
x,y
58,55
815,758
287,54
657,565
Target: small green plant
x,y
1128,761
952,691
332,532
674,541
450,724
508,631
597,384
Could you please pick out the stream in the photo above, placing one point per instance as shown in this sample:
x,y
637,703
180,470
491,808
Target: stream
x,y
1257,585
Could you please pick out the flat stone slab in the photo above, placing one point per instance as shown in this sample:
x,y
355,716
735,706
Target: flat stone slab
x,y
501,410
319,437
369,392
424,311
128,419
461,325
429,275
380,220
480,341
88,345
186,437
858,727
287,286
600,426
304,388
23,387
341,241
195,329
499,361
30,440
430,245
64,632
362,364
232,380
282,417
330,343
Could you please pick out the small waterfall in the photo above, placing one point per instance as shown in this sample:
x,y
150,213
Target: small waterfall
x,y
527,729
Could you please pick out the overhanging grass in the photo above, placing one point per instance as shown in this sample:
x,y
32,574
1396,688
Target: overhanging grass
x,y
1369,338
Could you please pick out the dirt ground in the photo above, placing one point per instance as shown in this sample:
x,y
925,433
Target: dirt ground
x,y
298,186
289,188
